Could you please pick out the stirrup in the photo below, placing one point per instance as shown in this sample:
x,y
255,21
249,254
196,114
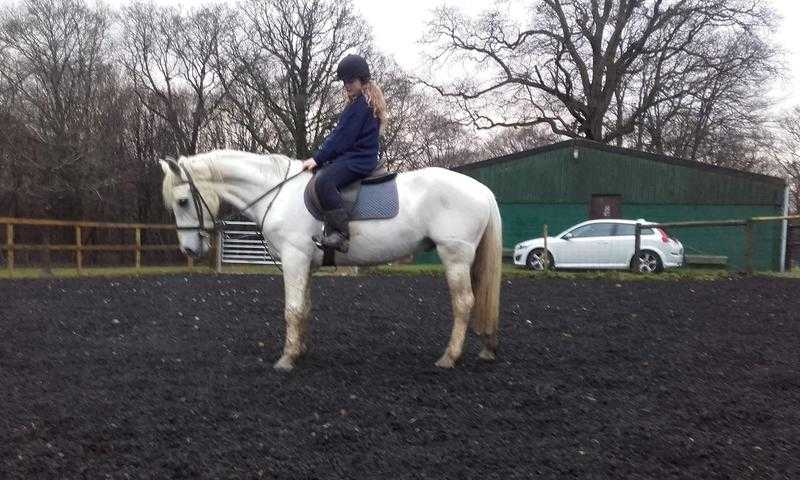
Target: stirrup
x,y
326,241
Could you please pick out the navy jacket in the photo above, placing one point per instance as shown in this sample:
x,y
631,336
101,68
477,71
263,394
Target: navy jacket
x,y
354,140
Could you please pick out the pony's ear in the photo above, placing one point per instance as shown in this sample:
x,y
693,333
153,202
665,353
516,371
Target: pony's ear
x,y
170,165
164,167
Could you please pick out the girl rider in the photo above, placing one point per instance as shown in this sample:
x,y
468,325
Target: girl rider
x,y
350,152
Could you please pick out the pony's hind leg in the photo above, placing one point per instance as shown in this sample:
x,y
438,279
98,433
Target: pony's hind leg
x,y
489,350
457,260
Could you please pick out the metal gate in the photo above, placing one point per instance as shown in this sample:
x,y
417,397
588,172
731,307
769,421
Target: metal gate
x,y
242,242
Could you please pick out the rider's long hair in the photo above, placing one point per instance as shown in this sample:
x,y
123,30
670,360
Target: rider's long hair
x,y
374,95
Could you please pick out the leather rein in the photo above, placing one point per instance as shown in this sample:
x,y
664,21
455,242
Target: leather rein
x,y
217,224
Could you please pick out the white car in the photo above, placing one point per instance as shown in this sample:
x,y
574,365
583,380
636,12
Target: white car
x,y
603,244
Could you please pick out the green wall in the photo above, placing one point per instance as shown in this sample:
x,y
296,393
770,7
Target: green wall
x,y
550,186
556,176
525,221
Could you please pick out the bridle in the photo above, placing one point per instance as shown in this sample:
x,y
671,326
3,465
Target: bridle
x,y
200,202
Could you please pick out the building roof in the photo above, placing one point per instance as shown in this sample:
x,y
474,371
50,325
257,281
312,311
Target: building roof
x,y
588,144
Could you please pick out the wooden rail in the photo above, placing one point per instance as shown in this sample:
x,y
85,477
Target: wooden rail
x,y
10,247
79,223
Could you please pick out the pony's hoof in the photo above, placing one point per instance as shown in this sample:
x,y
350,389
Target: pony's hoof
x,y
283,365
302,349
445,362
487,355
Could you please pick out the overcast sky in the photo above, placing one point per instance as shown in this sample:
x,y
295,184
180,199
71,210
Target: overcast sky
x,y
398,25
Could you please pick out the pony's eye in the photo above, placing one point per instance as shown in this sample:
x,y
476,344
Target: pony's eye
x,y
183,202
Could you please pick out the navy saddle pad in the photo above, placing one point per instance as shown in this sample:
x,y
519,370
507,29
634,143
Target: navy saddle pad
x,y
372,198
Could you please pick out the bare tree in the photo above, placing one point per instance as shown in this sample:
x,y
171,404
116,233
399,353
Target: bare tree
x,y
513,140
60,93
407,108
145,137
722,119
566,67
443,142
15,145
406,104
171,58
282,64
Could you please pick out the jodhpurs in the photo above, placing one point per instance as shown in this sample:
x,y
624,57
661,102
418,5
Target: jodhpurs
x,y
331,179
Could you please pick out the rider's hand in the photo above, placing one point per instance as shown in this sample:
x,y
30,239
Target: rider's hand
x,y
309,164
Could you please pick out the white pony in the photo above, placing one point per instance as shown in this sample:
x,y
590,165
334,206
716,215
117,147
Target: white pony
x,y
438,207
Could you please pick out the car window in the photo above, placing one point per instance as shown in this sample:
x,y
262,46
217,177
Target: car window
x,y
594,230
629,229
625,229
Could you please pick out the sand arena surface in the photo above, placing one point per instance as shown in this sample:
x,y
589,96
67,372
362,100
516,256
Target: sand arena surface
x,y
172,377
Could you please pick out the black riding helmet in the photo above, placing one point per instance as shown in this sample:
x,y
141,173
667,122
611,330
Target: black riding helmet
x,y
352,67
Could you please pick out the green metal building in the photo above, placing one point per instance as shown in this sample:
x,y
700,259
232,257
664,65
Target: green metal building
x,y
572,181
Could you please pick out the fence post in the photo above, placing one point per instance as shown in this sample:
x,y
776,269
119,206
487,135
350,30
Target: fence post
x,y
47,270
10,247
78,249
748,242
546,258
637,246
218,241
790,244
137,252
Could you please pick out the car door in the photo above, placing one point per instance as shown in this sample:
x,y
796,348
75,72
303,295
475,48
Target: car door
x,y
599,245
586,246
567,250
622,244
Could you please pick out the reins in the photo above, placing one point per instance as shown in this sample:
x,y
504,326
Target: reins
x,y
217,224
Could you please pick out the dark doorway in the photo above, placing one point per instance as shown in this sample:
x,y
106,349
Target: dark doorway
x,y
605,206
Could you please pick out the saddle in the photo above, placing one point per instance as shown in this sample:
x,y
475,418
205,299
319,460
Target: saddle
x,y
371,198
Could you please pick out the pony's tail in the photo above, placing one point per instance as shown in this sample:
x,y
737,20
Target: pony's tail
x,y
486,277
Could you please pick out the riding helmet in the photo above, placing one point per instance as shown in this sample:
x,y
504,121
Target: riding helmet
x,y
352,67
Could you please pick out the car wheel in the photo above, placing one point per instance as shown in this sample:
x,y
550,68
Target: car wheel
x,y
648,262
535,260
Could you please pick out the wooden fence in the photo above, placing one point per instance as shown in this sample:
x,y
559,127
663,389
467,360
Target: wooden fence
x,y
748,225
10,247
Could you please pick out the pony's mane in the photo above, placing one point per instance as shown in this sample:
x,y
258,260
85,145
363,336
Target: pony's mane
x,y
203,170
167,186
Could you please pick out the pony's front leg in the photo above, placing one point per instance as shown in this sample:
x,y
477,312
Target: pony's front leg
x,y
297,290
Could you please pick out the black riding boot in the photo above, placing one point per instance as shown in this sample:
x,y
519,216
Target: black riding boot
x,y
336,233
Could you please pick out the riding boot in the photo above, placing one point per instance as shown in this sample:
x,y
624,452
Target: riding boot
x,y
336,233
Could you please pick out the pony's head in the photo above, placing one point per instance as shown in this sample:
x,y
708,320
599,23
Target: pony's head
x,y
187,206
